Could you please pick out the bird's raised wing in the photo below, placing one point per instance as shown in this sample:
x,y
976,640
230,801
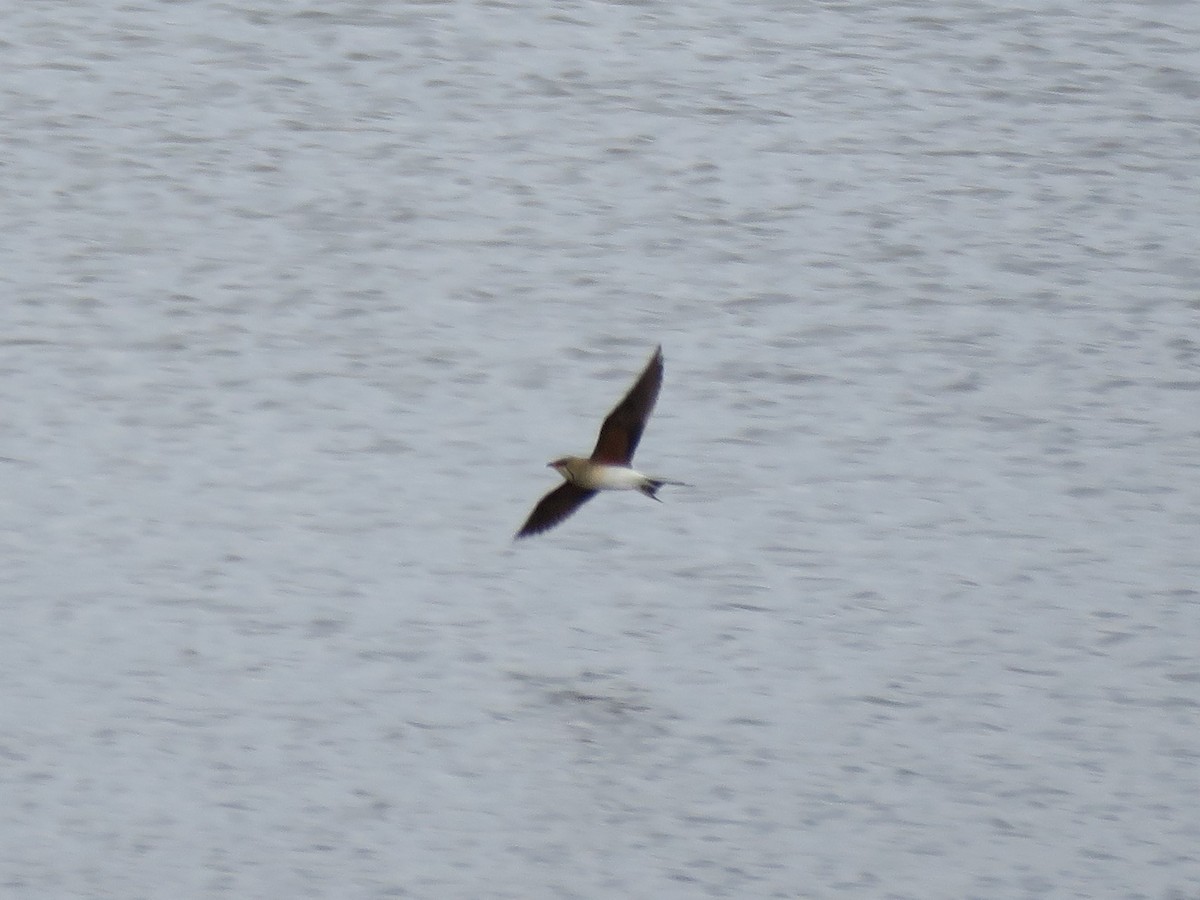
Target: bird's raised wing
x,y
554,507
621,431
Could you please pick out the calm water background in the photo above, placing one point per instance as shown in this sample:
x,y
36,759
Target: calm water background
x,y
296,301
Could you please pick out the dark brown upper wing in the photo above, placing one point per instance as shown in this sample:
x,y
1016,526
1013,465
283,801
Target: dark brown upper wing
x,y
621,431
554,507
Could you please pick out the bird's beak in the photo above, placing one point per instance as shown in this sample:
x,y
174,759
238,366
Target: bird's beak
x,y
549,465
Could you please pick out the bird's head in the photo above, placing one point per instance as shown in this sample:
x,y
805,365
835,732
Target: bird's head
x,y
568,466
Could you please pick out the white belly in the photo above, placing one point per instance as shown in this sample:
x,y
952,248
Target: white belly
x,y
614,478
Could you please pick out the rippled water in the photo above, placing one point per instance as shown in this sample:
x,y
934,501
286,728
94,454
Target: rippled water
x,y
298,302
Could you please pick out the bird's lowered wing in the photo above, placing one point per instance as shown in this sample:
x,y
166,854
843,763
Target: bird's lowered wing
x,y
554,507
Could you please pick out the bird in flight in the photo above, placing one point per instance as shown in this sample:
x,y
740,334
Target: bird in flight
x,y
608,468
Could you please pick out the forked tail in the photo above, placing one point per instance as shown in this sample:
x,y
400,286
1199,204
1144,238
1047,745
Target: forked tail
x,y
650,488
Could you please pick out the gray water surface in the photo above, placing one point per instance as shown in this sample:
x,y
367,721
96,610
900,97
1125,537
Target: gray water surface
x,y
296,302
